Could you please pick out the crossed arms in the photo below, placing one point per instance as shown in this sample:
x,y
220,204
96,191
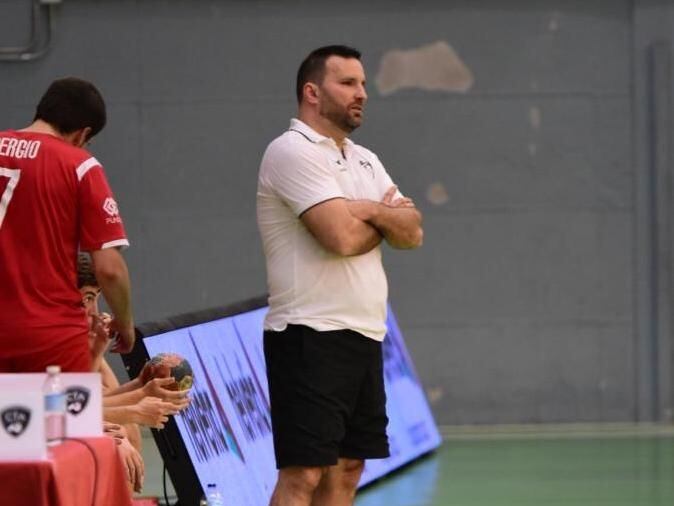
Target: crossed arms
x,y
354,227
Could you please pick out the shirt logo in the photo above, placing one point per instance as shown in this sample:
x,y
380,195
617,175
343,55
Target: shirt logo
x,y
342,168
15,420
367,166
110,207
77,399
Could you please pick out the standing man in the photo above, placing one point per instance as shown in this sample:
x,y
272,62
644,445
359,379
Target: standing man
x,y
324,204
54,200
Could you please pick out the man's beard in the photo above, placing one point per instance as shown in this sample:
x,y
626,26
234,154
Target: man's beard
x,y
338,116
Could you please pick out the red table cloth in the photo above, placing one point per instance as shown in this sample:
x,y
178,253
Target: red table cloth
x,y
68,477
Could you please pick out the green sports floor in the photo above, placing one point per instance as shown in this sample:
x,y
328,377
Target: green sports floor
x,y
565,468
523,466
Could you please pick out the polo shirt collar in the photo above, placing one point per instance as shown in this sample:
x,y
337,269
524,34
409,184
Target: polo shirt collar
x,y
311,134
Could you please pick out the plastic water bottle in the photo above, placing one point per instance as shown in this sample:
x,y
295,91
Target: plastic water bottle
x,y
54,406
213,497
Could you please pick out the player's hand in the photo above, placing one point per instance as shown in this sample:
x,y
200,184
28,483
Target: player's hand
x,y
123,336
146,373
402,202
388,196
153,412
104,320
181,402
133,464
114,431
99,332
156,387
389,200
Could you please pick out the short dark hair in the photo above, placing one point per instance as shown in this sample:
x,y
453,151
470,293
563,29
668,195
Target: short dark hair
x,y
85,271
313,66
70,104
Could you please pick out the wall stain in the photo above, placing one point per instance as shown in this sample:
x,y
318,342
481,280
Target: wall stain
x,y
433,67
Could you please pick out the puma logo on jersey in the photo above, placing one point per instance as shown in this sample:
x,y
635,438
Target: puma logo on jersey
x,y
110,207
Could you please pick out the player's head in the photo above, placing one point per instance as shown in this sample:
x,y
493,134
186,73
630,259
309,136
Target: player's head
x,y
87,284
331,80
73,106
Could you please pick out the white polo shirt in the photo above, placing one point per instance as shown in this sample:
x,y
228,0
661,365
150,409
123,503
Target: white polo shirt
x,y
307,284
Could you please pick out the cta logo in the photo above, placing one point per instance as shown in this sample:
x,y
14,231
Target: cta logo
x,y
77,399
15,420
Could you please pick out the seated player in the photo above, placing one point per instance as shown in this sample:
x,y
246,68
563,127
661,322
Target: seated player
x,y
124,406
146,403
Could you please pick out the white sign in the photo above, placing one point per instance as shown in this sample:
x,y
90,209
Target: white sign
x,y
84,404
22,417
22,425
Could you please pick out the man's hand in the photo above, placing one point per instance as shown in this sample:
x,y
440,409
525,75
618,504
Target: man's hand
x,y
100,325
123,337
146,373
153,412
368,210
99,333
389,201
133,464
397,219
113,430
156,387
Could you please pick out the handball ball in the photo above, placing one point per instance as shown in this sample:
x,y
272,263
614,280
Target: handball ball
x,y
164,365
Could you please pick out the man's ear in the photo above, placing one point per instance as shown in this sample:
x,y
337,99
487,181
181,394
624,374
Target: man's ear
x,y
311,93
79,137
86,136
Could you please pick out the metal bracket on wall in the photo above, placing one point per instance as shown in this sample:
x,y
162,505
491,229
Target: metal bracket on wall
x,y
40,34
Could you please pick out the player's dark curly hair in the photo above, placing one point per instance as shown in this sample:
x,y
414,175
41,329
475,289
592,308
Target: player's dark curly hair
x,y
70,104
85,271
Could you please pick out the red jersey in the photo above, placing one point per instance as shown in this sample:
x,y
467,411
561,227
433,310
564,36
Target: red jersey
x,y
54,200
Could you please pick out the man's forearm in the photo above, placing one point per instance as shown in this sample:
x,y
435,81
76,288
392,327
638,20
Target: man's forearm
x,y
125,387
400,226
113,277
123,399
117,292
133,435
338,229
120,414
96,359
365,237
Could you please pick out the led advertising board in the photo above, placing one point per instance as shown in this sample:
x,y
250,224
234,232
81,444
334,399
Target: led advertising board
x,y
225,435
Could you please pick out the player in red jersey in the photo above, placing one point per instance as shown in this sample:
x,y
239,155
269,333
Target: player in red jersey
x,y
54,201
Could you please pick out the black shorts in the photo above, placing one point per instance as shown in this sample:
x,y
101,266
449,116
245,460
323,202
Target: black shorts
x,y
327,396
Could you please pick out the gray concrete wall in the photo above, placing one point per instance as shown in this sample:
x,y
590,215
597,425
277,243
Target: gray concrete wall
x,y
527,302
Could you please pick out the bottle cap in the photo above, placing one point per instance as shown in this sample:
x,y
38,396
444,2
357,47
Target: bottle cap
x,y
53,369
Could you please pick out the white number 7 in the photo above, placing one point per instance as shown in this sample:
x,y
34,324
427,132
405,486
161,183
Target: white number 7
x,y
13,175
